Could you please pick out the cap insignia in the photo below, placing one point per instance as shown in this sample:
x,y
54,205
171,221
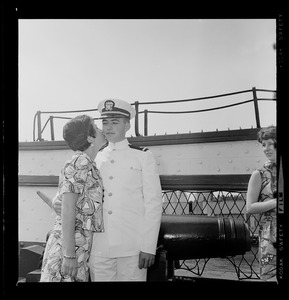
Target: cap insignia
x,y
109,105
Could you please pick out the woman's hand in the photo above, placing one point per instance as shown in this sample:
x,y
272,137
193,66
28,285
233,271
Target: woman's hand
x,y
273,203
69,267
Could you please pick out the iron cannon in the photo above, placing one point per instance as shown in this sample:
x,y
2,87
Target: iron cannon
x,y
183,237
192,237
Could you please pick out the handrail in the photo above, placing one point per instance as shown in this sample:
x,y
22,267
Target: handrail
x,y
137,104
194,111
196,99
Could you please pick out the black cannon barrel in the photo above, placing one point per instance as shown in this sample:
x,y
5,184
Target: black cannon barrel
x,y
192,237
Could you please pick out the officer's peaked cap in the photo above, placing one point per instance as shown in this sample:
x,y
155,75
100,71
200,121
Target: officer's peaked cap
x,y
115,108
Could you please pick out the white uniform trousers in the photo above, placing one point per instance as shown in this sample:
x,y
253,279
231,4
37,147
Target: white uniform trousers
x,y
116,269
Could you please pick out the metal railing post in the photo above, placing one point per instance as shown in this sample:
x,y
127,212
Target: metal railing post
x,y
136,121
39,125
145,122
256,107
51,128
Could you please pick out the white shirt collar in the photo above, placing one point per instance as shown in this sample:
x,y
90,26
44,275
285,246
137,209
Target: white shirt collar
x,y
119,145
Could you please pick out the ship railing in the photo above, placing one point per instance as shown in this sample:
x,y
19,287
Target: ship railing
x,y
253,97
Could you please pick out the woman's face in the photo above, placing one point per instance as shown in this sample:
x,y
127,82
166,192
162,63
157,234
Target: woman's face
x,y
269,149
99,139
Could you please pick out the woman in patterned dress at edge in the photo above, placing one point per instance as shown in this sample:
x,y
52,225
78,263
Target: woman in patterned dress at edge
x,y
262,199
80,190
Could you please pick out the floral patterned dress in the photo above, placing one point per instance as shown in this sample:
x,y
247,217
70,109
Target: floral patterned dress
x,y
267,224
79,175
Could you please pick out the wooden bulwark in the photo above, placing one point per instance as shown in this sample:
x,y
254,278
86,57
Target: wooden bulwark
x,y
231,182
157,140
37,180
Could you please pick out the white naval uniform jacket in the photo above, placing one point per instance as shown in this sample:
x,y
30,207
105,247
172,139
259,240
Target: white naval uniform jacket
x,y
132,204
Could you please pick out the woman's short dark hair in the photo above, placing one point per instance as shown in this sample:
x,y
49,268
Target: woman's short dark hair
x,y
76,131
267,133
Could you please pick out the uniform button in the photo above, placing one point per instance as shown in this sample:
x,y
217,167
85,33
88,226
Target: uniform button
x,y
112,161
110,177
109,194
109,212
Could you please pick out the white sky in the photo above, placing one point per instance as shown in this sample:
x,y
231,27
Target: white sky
x,y
74,64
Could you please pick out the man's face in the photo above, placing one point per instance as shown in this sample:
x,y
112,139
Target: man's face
x,y
115,129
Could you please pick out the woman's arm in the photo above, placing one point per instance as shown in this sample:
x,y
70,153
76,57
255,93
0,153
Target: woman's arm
x,y
69,265
253,192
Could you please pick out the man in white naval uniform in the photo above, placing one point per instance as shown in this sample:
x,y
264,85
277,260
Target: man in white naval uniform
x,y
132,206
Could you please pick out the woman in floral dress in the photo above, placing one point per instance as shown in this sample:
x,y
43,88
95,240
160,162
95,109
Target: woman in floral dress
x,y
80,190
261,199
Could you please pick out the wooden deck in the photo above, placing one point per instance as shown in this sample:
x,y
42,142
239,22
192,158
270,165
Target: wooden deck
x,y
223,268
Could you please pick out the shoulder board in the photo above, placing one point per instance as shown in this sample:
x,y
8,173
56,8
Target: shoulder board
x,y
137,147
104,146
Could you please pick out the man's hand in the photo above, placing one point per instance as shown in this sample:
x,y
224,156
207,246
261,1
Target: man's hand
x,y
146,260
56,205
